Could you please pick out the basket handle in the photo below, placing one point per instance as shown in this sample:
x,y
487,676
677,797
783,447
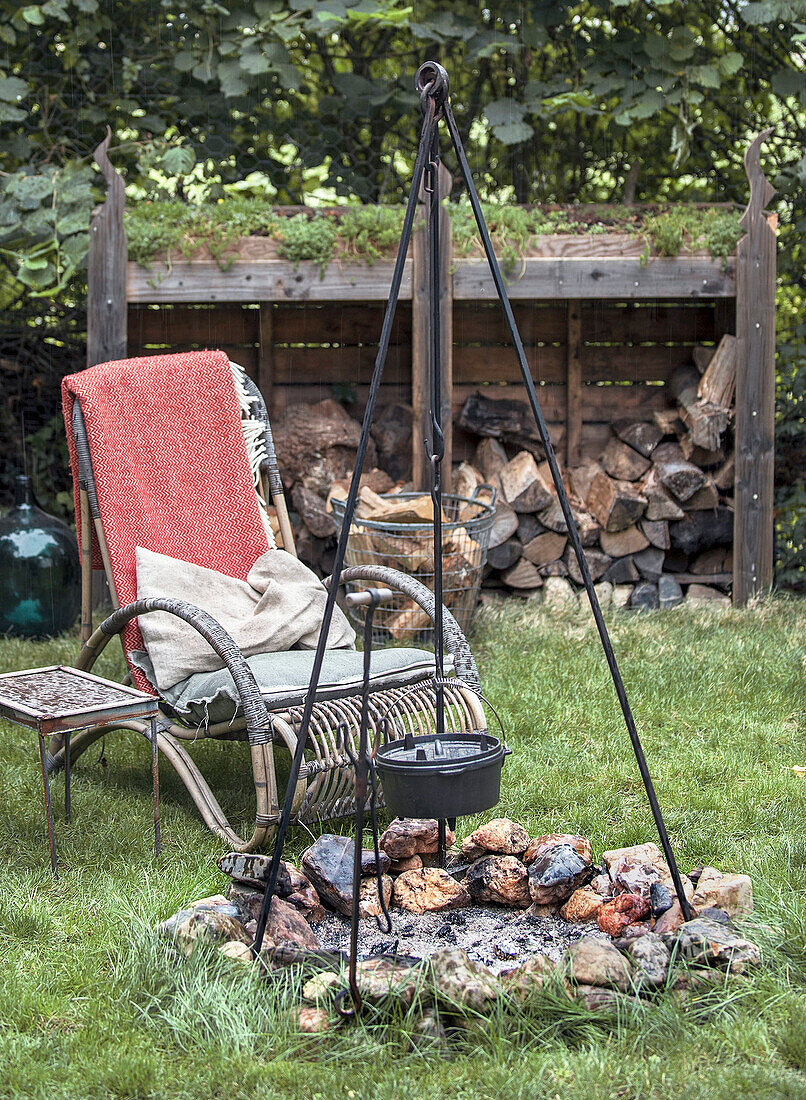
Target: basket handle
x,y
491,489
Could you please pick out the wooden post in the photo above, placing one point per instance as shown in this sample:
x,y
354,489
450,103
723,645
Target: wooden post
x,y
573,383
755,388
265,355
106,268
420,392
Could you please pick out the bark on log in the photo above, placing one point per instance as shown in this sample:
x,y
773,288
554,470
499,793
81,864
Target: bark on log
x,y
681,478
718,383
504,419
615,504
702,530
699,455
661,505
669,422
505,555
598,563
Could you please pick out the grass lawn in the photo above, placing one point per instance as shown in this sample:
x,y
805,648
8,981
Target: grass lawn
x,y
91,1006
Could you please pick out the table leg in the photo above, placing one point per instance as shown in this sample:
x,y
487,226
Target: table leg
x,y
67,778
155,782
48,807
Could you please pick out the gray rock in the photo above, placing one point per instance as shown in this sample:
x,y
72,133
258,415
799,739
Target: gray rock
x,y
597,999
622,571
597,962
651,958
660,898
714,943
555,874
460,981
670,594
286,926
649,563
644,597
328,863
211,920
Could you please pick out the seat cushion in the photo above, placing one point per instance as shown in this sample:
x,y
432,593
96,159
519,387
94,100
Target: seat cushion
x,y
283,678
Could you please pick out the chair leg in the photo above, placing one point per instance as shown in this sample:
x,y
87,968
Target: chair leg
x,y
155,787
48,806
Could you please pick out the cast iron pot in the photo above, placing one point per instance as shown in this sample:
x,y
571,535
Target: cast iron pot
x,y
444,777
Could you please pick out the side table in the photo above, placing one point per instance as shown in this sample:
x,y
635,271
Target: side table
x,y
62,700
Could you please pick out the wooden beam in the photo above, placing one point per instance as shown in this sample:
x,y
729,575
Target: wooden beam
x,y
573,384
683,277
106,269
755,388
265,355
420,378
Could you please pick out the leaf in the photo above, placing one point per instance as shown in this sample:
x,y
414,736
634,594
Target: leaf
x,y
503,112
730,63
647,105
35,275
179,160
512,133
33,15
707,75
762,12
789,82
12,88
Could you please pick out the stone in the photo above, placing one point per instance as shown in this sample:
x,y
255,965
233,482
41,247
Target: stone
x,y
306,899
597,999
541,844
459,981
311,1021
583,905
670,920
427,1029
661,898
558,594
711,943
287,926
237,950
369,903
620,912
204,925
246,897
649,563
637,875
554,875
328,865
506,950
412,836
633,931
652,959
702,595
525,980
501,836
644,597
604,593
729,892
429,890
621,595
369,865
471,851
382,979
602,884
592,961
670,594
411,863
250,875
639,853
321,987
502,880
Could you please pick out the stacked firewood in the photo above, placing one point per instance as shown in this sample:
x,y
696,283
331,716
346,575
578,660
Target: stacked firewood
x,y
654,510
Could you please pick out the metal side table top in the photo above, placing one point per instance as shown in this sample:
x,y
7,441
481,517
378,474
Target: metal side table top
x,y
62,700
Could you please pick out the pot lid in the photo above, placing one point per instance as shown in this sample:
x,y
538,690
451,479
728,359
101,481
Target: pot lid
x,y
449,749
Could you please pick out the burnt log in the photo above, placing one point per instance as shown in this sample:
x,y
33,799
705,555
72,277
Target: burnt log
x,y
701,530
505,419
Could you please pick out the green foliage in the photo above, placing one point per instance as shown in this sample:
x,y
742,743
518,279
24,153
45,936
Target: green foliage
x,y
305,238
695,228
46,452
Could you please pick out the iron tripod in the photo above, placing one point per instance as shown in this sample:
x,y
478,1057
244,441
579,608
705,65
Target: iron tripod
x,y
431,83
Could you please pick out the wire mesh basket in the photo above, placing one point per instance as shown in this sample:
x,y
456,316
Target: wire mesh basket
x,y
409,547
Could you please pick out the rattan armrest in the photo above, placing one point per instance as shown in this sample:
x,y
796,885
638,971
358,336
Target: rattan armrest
x,y
454,640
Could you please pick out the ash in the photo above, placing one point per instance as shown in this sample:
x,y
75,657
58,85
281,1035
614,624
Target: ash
x,y
501,938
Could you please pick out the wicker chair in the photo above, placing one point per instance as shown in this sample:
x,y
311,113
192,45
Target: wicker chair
x,y
325,788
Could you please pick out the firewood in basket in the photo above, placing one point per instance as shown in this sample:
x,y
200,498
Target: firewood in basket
x,y
615,504
408,621
641,435
414,510
523,486
622,462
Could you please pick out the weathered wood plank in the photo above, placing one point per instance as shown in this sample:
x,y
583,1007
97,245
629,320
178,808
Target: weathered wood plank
x,y
653,363
600,403
611,278
755,388
573,384
106,268
263,281
265,355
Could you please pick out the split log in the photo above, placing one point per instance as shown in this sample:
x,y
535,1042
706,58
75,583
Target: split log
x,y
416,510
718,383
726,475
706,422
522,576
661,505
649,563
681,478
615,504
581,478
314,512
676,561
707,497
529,527
622,462
553,519
406,554
639,434
545,548
504,419
490,458
657,532
522,484
669,422
598,564
702,530
618,544
622,571
553,569
466,479
504,525
505,555
702,356
698,455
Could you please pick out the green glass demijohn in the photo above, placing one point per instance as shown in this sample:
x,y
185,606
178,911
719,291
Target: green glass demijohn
x,y
40,577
